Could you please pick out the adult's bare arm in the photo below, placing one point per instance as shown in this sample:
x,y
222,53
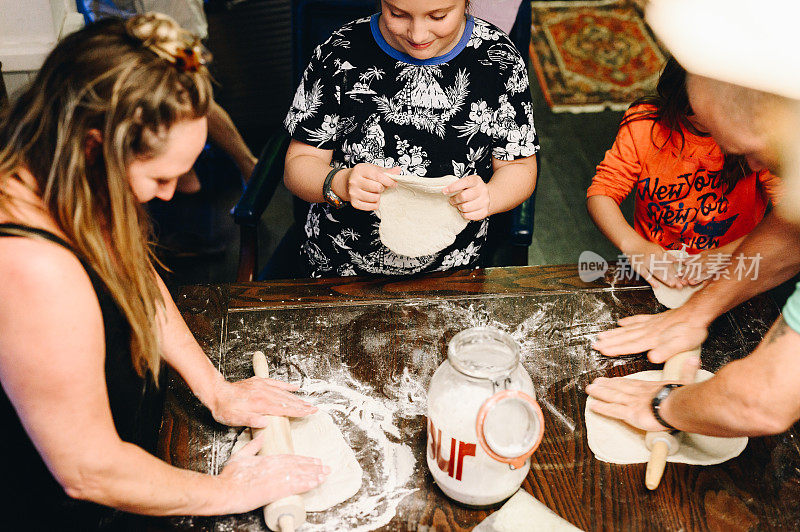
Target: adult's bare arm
x,y
754,396
52,367
241,403
223,131
774,240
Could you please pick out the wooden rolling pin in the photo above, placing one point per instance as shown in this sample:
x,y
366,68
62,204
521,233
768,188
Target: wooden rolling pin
x,y
283,515
665,443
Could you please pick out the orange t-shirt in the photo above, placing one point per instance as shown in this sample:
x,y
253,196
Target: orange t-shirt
x,y
679,195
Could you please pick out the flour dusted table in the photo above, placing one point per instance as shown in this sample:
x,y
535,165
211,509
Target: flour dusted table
x,y
384,333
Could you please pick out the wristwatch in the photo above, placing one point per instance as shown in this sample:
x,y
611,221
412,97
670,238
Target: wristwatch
x,y
655,404
331,198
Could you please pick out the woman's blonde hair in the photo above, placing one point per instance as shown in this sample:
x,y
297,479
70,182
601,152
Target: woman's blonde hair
x,y
130,81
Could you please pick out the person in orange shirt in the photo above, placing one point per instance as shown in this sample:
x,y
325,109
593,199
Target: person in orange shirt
x,y
689,195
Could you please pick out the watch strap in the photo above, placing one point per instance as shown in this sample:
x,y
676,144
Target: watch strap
x,y
655,404
331,198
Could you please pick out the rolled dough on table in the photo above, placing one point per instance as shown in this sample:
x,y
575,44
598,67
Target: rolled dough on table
x,y
416,218
617,442
318,436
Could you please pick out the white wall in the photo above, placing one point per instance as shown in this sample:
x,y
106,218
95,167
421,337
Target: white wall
x,y
28,31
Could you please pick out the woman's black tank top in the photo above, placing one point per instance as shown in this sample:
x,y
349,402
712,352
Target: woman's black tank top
x,y
37,501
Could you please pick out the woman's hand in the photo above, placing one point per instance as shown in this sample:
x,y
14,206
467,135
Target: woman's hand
x,y
364,183
652,262
245,403
471,196
253,481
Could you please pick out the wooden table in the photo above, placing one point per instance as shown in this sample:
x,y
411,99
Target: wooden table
x,y
380,332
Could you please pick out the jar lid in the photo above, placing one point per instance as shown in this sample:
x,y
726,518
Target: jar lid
x,y
483,353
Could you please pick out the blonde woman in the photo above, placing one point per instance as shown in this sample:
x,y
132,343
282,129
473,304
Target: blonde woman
x,y
114,117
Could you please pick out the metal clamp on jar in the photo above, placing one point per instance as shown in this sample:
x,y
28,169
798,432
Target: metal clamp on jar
x,y
483,419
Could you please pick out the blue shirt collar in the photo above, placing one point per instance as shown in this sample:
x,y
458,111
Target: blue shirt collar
x,y
405,58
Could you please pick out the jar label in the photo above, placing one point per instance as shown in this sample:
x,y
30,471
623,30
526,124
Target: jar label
x,y
454,463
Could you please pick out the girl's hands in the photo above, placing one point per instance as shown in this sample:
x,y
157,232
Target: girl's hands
x,y
471,196
245,403
704,265
653,263
364,183
252,481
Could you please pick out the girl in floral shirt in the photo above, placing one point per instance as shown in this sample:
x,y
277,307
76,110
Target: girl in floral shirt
x,y
420,88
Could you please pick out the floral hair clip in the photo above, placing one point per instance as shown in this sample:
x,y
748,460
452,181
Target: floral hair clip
x,y
189,58
162,36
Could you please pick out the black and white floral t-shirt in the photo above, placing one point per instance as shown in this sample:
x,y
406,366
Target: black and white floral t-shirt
x,y
371,103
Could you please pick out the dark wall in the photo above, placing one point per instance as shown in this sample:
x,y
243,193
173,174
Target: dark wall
x,y
3,91
251,43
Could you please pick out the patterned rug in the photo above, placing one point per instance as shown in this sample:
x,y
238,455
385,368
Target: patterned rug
x,y
592,55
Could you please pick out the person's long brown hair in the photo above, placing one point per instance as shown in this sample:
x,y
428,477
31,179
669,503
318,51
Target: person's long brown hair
x,y
131,81
670,108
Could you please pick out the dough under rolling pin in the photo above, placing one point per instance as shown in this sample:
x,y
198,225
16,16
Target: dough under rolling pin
x,y
615,442
665,443
283,515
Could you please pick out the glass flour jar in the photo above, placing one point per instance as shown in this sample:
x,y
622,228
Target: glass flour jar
x,y
483,419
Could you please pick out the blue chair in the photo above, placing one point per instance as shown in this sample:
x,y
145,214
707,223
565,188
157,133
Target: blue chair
x,y
92,10
84,8
313,21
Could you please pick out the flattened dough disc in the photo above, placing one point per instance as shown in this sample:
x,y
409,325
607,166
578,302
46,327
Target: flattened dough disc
x,y
416,218
318,436
617,442
675,297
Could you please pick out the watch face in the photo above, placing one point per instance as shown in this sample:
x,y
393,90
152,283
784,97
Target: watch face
x,y
332,199
655,404
665,390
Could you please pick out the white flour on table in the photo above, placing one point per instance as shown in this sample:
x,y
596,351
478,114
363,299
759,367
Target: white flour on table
x,y
346,400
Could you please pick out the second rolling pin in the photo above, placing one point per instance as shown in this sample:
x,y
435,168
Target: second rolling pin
x,y
665,443
283,515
